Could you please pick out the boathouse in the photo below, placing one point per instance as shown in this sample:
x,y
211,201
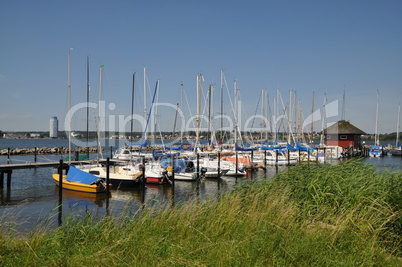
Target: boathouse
x,y
343,134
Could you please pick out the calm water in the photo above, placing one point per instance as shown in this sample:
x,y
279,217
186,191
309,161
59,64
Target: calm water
x,y
33,196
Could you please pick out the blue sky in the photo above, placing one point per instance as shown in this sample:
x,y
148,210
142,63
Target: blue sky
x,y
305,46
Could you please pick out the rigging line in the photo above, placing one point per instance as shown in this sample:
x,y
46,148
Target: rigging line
x,y
227,90
150,109
188,107
286,115
255,113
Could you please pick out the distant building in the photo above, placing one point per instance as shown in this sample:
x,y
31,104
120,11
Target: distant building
x,y
343,134
54,127
34,135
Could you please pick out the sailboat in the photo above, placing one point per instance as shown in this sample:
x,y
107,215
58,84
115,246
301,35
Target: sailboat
x,y
76,179
375,150
118,175
397,151
81,181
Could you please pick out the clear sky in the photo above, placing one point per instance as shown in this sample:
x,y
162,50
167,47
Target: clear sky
x,y
305,46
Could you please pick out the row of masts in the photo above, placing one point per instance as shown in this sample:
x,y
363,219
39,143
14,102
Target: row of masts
x,y
265,110
288,117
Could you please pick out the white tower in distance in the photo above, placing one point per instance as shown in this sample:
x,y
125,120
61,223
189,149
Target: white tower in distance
x,y
54,127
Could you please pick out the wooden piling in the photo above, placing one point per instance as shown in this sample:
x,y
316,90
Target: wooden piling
x,y
237,163
219,169
9,178
107,176
61,179
198,175
1,179
173,166
276,157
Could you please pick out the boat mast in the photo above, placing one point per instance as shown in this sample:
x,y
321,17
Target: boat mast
x,y
262,124
88,107
145,99
397,123
100,111
376,141
324,120
182,105
175,121
312,121
221,136
210,110
235,113
132,110
69,107
198,119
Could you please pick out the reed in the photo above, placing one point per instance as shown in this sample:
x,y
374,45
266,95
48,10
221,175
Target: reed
x,y
338,215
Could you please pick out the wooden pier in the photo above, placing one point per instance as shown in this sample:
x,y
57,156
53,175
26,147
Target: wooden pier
x,y
8,168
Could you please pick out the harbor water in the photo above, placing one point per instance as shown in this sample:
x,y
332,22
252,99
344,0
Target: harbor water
x,y
33,198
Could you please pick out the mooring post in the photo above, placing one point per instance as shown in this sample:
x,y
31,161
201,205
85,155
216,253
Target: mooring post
x,y
107,176
60,193
276,157
251,161
219,169
8,156
316,158
265,160
77,154
1,179
143,173
198,166
9,178
288,157
197,188
35,153
173,166
299,155
61,178
111,152
237,163
142,183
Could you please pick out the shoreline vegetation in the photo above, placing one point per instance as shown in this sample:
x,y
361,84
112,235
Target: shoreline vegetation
x,y
349,214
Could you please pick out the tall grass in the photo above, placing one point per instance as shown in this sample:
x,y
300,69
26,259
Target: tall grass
x,y
347,214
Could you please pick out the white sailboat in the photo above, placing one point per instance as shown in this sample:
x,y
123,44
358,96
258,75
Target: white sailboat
x,y
397,151
375,150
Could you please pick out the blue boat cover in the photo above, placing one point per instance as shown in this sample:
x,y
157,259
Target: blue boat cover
x,y
79,176
272,147
179,164
305,148
238,148
158,154
173,148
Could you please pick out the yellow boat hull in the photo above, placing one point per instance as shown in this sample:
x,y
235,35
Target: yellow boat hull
x,y
79,187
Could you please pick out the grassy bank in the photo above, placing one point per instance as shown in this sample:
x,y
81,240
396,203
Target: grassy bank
x,y
347,214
